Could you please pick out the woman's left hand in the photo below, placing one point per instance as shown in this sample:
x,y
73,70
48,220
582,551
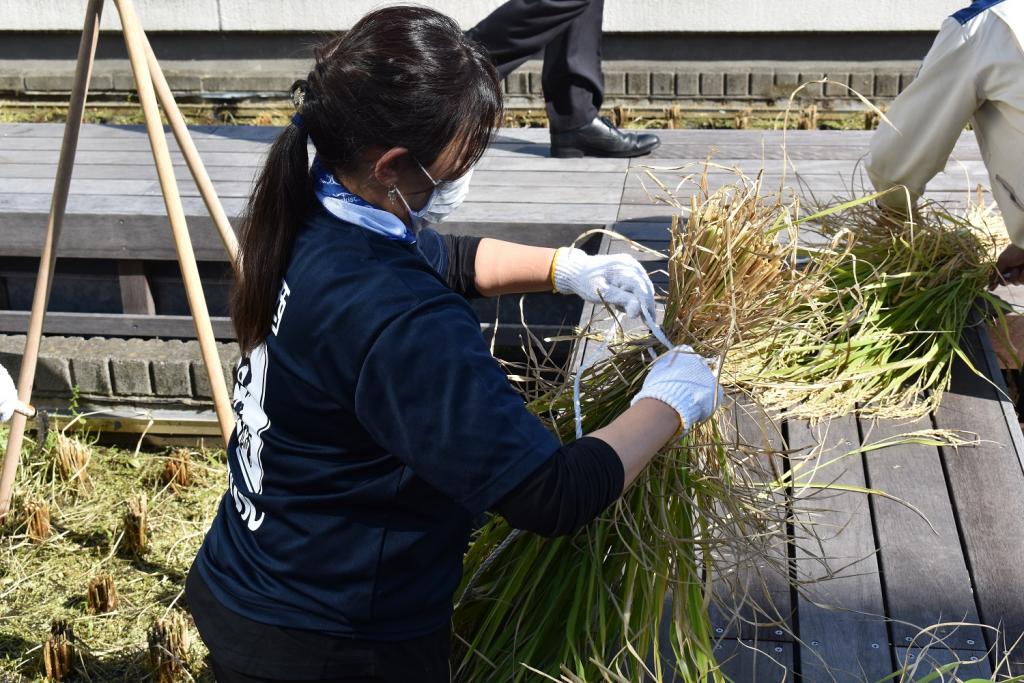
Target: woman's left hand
x,y
617,280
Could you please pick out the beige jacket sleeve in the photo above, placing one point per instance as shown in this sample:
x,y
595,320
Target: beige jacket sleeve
x,y
927,118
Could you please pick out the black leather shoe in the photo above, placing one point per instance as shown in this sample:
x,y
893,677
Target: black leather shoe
x,y
601,138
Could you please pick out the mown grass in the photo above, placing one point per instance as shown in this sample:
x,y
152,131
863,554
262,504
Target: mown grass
x,y
42,582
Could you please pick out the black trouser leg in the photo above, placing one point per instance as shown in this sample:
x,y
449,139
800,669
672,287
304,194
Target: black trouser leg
x,y
225,675
573,80
569,32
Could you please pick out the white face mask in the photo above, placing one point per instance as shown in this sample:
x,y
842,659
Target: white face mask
x,y
447,196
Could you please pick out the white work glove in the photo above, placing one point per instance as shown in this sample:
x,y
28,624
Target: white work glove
x,y
682,379
618,280
8,396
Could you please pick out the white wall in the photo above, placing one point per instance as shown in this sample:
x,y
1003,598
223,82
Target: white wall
x,y
620,15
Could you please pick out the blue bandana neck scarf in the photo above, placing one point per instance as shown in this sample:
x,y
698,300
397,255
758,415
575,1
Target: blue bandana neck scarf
x,y
342,204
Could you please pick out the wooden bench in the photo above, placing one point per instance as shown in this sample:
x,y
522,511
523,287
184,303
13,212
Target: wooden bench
x,y
116,251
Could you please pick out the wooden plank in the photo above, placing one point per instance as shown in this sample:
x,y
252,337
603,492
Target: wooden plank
x,y
212,144
475,211
926,577
772,151
565,194
987,486
134,143
114,325
518,163
745,660
182,326
829,182
100,236
531,179
103,236
136,297
488,193
841,616
130,158
502,212
756,596
748,661
752,166
111,205
640,213
124,187
105,130
992,369
245,173
918,662
754,139
492,186
644,232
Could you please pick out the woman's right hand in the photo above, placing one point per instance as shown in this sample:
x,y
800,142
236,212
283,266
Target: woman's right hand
x,y
682,379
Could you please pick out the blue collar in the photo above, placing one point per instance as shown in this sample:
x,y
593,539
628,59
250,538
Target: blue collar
x,y
342,204
976,8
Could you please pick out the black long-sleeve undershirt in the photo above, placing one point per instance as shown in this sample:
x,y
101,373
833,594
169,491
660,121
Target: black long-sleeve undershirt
x,y
568,491
461,271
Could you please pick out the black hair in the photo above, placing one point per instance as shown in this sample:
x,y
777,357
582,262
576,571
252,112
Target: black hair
x,y
403,76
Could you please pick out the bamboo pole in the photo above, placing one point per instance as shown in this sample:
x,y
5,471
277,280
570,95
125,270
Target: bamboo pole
x,y
191,154
135,41
48,259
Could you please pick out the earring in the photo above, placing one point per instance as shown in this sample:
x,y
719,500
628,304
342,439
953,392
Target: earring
x,y
393,194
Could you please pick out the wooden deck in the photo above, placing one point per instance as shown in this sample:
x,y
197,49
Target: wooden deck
x,y
901,575
116,242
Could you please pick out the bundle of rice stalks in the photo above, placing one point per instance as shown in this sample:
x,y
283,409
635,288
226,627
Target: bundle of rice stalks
x,y
135,523
881,334
177,470
102,594
626,598
59,651
71,457
808,118
168,647
36,513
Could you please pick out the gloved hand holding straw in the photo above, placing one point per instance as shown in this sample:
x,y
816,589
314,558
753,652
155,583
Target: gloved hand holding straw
x,y
618,280
682,379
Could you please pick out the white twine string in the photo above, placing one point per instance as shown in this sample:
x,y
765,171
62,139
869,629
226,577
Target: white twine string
x,y
655,330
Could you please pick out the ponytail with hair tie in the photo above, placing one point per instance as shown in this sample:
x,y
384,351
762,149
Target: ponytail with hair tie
x,y
402,76
298,96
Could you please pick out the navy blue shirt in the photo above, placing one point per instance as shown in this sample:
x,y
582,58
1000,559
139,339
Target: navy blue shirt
x,y
372,426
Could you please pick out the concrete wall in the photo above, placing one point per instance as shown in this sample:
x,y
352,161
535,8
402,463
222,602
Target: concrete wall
x,y
638,16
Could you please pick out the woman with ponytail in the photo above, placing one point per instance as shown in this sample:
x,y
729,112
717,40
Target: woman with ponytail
x,y
373,425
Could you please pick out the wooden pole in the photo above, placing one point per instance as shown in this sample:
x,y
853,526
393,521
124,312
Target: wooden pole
x,y
191,154
48,259
135,41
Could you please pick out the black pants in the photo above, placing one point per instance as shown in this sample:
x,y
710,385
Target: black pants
x,y
225,675
569,32
246,651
